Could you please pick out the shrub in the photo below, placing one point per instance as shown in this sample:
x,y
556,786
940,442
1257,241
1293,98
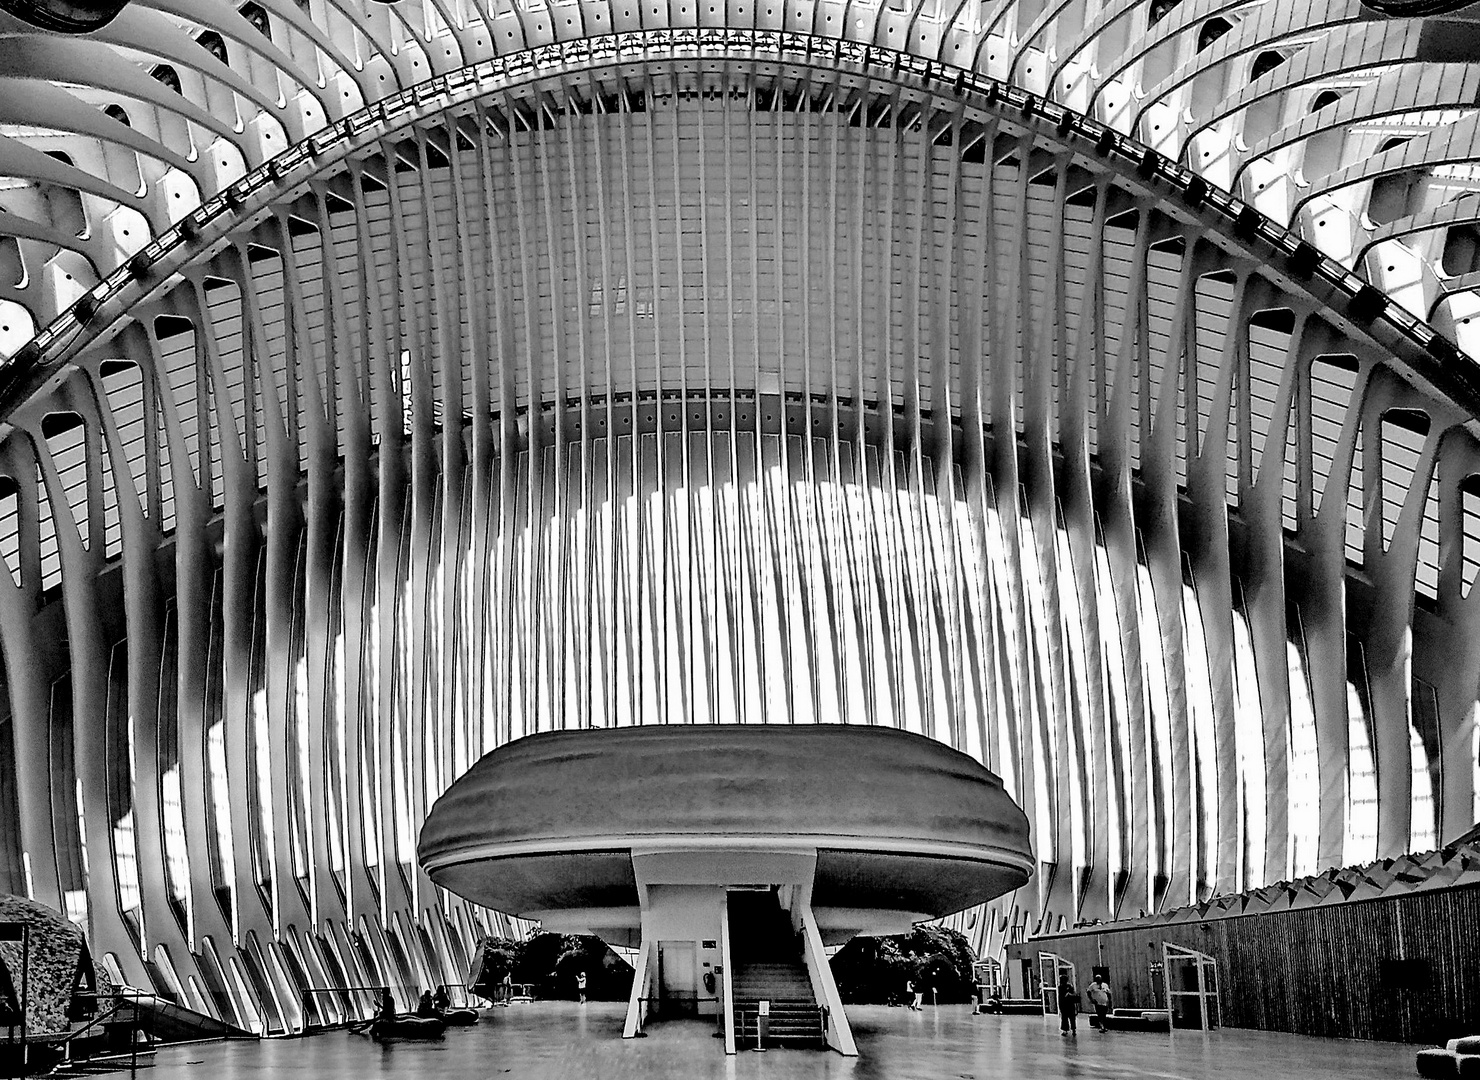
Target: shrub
x,y
873,970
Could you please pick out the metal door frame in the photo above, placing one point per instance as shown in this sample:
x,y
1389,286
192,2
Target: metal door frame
x,y
1049,991
1206,966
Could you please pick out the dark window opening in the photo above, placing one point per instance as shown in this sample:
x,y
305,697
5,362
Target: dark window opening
x,y
214,44
1211,31
1461,250
1264,63
258,18
1324,98
1159,10
169,76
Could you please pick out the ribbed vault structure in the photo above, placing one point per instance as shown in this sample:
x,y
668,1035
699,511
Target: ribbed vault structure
x,y
389,382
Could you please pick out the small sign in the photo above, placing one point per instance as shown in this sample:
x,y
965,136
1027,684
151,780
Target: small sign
x,y
709,944
765,1007
12,931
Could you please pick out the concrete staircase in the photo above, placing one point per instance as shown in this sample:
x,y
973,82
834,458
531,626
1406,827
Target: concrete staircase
x,y
766,965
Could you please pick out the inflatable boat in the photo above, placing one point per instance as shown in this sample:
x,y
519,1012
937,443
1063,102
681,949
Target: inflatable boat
x,y
408,1027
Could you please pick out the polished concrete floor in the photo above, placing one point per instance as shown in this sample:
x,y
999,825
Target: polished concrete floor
x,y
559,1040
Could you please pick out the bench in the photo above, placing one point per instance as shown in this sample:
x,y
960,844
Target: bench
x,y
1460,1057
1139,1020
1013,1006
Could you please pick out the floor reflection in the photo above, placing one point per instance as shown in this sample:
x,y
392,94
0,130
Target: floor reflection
x,y
560,1040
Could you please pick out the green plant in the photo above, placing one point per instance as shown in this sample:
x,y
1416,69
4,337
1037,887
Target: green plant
x,y
873,970
551,962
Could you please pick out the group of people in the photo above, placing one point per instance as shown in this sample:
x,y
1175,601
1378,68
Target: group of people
x,y
1099,998
506,988
433,1004
914,995
436,1004
428,1005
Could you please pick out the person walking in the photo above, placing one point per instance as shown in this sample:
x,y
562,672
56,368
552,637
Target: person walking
x,y
911,995
581,986
1099,997
1068,1007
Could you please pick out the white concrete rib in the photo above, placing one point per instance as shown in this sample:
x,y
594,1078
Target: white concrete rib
x,y
719,386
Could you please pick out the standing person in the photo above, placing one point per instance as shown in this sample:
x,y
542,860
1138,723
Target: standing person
x,y
1099,997
918,998
1068,1006
581,986
508,987
909,993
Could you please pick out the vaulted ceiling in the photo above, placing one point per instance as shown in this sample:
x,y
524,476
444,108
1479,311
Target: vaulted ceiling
x,y
1084,385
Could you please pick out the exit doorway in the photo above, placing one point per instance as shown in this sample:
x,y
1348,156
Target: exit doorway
x,y
678,979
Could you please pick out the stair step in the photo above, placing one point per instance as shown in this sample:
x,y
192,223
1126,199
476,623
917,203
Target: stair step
x,y
780,1008
783,974
799,1035
780,980
815,1031
748,976
799,991
766,965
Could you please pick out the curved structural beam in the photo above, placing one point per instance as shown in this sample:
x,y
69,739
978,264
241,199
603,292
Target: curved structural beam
x,y
580,369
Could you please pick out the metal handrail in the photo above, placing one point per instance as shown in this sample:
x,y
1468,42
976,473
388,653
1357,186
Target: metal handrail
x,y
752,1005
671,997
503,73
124,996
647,1002
99,1018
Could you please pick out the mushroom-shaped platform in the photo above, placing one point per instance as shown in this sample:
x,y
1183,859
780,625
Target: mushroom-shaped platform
x,y
897,822
728,854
